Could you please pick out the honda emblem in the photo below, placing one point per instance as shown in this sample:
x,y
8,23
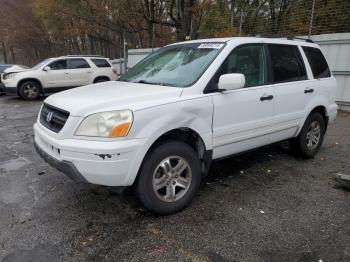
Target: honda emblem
x,y
49,117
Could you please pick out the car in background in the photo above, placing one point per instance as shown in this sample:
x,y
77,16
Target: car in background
x,y
57,74
4,68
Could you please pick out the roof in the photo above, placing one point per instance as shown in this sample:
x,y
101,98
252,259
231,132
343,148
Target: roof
x,y
277,40
82,56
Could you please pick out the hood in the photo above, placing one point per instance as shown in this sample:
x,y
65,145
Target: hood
x,y
113,95
16,69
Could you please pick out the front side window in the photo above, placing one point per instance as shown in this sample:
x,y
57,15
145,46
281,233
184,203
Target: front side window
x,y
58,65
78,63
249,60
317,62
287,63
179,65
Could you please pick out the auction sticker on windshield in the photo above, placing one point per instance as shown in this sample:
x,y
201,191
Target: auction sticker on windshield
x,y
211,45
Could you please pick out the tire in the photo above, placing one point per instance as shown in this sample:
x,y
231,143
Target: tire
x,y
309,141
101,79
164,200
29,90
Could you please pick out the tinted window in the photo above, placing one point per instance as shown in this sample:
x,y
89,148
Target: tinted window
x,y
78,63
249,60
287,63
101,62
58,65
317,62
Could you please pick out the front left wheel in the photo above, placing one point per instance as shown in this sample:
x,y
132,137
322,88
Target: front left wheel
x,y
29,90
169,178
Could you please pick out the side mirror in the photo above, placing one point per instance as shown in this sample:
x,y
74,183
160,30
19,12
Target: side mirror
x,y
46,68
231,82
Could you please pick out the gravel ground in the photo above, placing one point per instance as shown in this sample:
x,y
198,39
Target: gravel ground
x,y
265,205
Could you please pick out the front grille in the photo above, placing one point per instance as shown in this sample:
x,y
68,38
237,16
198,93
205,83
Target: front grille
x,y
53,118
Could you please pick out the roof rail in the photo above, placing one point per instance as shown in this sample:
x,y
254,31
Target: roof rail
x,y
300,38
282,36
270,36
84,56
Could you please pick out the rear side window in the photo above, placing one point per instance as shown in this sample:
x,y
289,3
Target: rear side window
x,y
78,63
317,62
101,62
287,63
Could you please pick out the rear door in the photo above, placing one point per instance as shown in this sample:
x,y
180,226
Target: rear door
x,y
322,84
290,88
104,68
243,118
79,72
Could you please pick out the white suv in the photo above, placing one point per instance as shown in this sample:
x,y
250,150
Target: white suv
x,y
160,126
57,74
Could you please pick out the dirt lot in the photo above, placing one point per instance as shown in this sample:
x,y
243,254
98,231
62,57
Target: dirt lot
x,y
262,206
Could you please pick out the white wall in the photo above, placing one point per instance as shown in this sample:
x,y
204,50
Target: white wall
x,y
136,55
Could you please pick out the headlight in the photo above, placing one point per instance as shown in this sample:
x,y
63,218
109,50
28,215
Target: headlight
x,y
9,75
106,124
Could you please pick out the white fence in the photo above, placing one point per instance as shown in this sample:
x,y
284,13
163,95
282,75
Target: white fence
x,y
336,48
134,56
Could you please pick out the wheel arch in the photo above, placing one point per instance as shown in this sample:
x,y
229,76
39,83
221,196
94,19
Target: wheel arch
x,y
101,77
188,136
30,79
320,108
323,111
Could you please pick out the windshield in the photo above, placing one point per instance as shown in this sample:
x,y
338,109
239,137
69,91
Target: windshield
x,y
41,64
179,65
3,67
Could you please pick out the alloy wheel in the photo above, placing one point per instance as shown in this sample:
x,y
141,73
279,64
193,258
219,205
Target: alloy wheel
x,y
30,91
172,179
313,135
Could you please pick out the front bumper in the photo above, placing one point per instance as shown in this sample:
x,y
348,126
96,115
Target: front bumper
x,y
65,167
8,90
112,163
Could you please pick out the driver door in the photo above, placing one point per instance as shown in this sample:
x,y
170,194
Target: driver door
x,y
57,76
243,117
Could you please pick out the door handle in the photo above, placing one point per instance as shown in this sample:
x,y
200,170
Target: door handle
x,y
263,98
89,72
308,91
66,73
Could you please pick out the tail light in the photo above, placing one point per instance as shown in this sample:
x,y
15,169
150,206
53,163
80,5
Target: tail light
x,y
114,71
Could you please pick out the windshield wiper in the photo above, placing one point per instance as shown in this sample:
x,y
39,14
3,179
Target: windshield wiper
x,y
149,83
155,83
